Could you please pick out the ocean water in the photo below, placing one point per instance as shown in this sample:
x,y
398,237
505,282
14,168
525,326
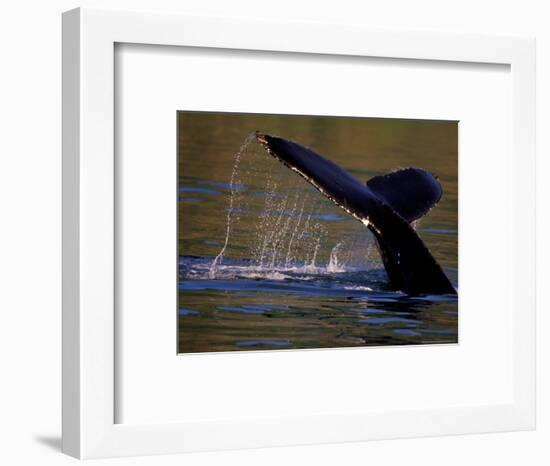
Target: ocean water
x,y
266,262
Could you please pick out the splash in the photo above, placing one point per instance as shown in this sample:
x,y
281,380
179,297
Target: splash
x,y
334,265
218,259
281,224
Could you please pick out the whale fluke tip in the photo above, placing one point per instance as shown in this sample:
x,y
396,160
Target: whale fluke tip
x,y
261,137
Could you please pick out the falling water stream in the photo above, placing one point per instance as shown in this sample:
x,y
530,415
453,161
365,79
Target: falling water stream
x,y
292,227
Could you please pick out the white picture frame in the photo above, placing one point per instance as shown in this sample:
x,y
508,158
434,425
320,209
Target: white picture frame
x,y
89,38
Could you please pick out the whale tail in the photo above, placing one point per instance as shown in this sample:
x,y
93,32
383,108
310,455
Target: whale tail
x,y
386,204
411,192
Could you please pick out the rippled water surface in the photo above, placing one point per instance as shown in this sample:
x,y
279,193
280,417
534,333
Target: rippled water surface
x,y
266,262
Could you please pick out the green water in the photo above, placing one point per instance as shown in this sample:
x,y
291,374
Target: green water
x,y
297,271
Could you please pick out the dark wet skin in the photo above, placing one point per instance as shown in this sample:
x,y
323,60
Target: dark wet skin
x,y
409,264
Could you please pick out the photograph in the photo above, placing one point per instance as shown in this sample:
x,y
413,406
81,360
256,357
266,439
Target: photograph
x,y
300,232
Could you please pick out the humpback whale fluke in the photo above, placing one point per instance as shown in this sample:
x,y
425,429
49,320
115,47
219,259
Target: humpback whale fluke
x,y
386,204
412,192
